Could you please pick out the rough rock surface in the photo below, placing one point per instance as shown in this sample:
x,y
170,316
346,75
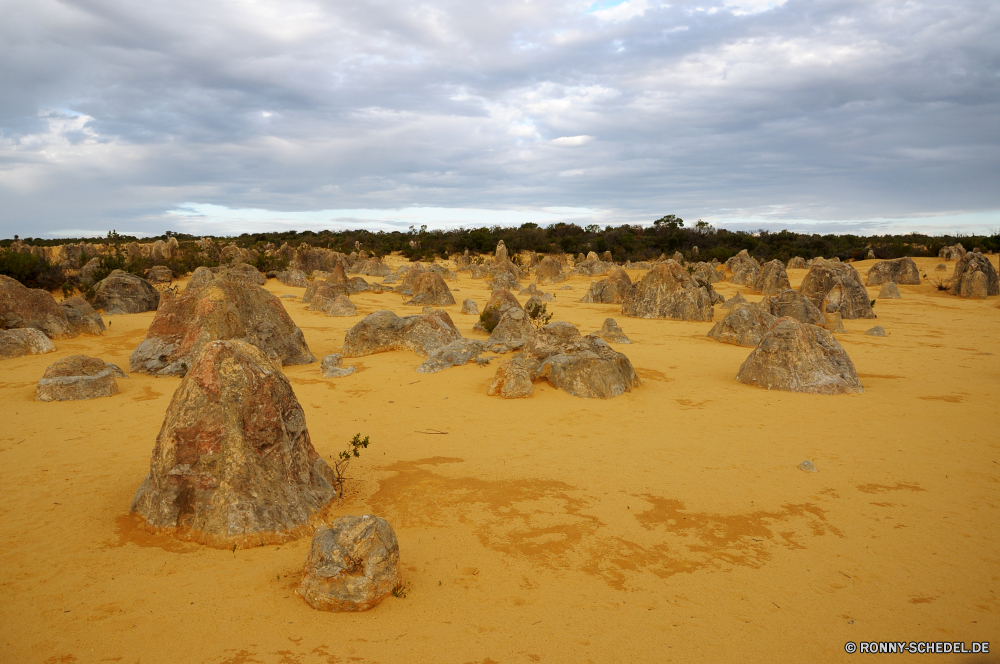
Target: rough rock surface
x,y
82,317
159,274
352,565
332,366
734,301
611,333
124,293
512,332
32,307
974,277
294,278
242,272
504,280
500,301
409,278
832,320
744,267
78,377
744,325
455,354
941,267
794,304
199,278
798,357
384,331
501,253
233,462
24,341
952,253
900,271
470,307
877,331
611,290
341,306
583,366
840,283
668,291
356,285
797,263
221,310
772,278
430,289
889,291
548,270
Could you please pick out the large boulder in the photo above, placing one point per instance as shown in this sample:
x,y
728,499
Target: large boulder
x,y
668,291
794,304
796,263
839,283
123,293
455,354
233,463
745,325
352,565
384,331
293,278
744,267
373,267
430,290
501,279
341,306
78,377
734,301
899,271
583,366
974,277
199,278
501,253
24,341
22,307
82,317
952,253
242,272
499,303
772,278
611,290
159,274
548,270
799,357
410,279
612,333
221,310
512,332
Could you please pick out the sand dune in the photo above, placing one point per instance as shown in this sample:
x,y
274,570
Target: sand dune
x,y
668,524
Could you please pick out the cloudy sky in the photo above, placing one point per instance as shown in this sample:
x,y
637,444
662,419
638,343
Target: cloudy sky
x,y
224,116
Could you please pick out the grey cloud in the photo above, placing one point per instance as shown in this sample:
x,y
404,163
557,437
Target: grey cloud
x,y
829,110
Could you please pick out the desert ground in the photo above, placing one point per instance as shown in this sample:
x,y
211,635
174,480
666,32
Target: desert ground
x,y
670,524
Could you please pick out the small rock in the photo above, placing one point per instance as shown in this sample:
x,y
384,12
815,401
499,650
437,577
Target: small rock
x,y
470,307
352,565
24,341
735,300
332,366
941,267
78,377
889,291
807,466
877,331
341,306
611,332
455,354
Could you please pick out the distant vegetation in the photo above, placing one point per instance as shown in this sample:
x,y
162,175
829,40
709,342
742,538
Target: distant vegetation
x,y
665,236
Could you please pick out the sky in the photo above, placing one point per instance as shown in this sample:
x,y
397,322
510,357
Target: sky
x,y
223,117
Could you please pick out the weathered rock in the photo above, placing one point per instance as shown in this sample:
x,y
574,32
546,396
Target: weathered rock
x,y
324,294
678,257
799,357
500,301
242,272
22,307
384,331
470,307
952,253
734,301
352,565
941,267
356,285
583,366
549,269
744,325
199,278
341,306
501,253
877,331
24,341
807,466
409,278
221,310
611,333
512,332
372,267
78,377
833,321
88,270
840,283
82,317
707,272
429,289
772,278
797,263
124,293
668,291
504,280
889,291
159,274
794,304
455,354
233,462
611,290
744,267
974,277
293,278
900,271
607,258
332,366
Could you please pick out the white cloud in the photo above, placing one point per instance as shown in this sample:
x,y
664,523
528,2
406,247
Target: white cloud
x,y
572,141
623,11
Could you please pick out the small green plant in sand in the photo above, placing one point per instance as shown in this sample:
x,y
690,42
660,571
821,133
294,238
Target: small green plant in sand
x,y
344,459
400,590
538,315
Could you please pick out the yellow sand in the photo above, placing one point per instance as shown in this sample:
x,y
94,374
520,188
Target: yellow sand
x,y
669,524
